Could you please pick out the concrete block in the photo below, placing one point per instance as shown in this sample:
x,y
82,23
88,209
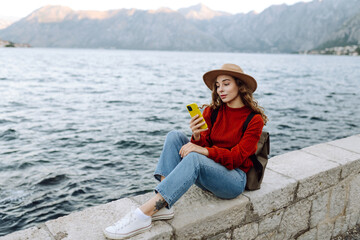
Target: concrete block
x,y
200,214
351,220
324,231
340,226
38,233
353,207
277,191
296,218
338,200
313,173
354,196
320,207
274,235
318,183
246,232
281,236
311,234
350,143
268,236
221,236
349,160
333,153
352,168
271,222
89,224
159,231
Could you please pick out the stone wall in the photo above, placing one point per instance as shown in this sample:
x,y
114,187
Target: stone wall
x,y
312,193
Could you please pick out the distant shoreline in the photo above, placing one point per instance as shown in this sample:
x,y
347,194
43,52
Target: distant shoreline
x,y
9,44
351,50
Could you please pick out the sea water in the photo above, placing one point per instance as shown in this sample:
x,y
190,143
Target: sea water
x,y
82,127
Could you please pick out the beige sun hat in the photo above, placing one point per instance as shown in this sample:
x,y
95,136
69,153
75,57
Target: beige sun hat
x,y
232,70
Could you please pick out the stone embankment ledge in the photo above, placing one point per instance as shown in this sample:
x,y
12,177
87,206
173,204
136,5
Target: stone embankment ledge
x,y
312,193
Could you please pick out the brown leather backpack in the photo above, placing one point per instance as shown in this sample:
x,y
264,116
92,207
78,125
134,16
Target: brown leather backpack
x,y
255,175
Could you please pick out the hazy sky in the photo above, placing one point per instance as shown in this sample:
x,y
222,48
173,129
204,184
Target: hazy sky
x,y
21,8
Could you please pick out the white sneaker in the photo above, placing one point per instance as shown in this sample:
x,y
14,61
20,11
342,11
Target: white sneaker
x,y
128,226
163,214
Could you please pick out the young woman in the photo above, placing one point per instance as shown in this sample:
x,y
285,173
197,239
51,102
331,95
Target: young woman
x,y
216,159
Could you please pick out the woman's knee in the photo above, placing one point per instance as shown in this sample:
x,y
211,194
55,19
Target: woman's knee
x,y
193,155
192,158
174,135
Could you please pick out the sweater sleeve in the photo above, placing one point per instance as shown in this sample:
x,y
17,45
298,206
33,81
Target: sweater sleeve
x,y
236,156
204,140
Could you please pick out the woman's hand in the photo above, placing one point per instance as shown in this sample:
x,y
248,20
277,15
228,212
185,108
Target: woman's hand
x,y
191,147
195,124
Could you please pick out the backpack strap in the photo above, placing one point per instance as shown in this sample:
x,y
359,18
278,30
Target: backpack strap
x,y
214,114
246,123
257,165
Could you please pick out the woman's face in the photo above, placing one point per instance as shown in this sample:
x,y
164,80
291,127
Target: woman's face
x,y
227,88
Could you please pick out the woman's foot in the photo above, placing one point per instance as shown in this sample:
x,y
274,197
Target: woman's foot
x,y
133,223
163,214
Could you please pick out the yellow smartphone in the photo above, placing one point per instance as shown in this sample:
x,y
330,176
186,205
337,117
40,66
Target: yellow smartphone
x,y
193,110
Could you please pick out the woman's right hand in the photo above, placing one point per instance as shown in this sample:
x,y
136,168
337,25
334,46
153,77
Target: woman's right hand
x,y
195,124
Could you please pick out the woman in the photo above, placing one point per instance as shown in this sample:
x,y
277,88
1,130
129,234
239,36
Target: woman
x,y
216,159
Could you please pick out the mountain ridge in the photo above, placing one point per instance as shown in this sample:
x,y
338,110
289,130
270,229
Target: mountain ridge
x,y
279,28
201,12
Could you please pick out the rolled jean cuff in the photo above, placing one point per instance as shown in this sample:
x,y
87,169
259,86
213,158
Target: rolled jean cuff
x,y
157,176
167,200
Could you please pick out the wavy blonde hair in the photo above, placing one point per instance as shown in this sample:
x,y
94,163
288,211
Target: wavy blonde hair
x,y
245,95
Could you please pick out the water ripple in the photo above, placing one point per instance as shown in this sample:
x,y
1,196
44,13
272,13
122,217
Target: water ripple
x,y
9,135
53,180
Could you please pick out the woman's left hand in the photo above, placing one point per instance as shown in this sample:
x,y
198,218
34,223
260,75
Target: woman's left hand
x,y
191,147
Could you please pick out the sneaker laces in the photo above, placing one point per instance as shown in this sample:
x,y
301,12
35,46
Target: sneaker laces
x,y
126,220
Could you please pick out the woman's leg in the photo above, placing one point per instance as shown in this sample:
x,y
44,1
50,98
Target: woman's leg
x,y
170,156
153,205
139,220
194,168
205,173
197,168
169,159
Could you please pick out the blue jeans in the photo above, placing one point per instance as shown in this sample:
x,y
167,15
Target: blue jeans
x,y
180,174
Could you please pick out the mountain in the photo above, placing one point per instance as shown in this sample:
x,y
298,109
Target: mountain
x,y
163,29
283,28
200,12
279,28
348,34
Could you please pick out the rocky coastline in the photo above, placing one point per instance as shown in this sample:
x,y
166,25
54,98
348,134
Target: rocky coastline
x,y
4,43
351,50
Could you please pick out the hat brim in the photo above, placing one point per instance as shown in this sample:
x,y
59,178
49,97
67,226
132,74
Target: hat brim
x,y
210,77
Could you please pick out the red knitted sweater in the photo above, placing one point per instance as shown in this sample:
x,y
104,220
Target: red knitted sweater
x,y
223,140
